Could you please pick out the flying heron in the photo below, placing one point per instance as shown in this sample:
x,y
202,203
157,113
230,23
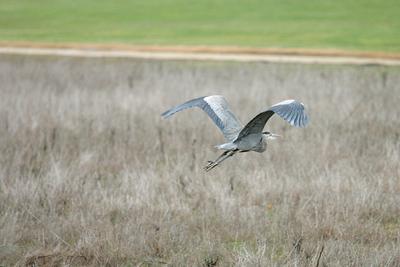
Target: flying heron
x,y
242,139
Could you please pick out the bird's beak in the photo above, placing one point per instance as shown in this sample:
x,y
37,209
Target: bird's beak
x,y
273,136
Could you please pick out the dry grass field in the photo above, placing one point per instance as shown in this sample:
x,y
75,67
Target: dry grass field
x,y
90,175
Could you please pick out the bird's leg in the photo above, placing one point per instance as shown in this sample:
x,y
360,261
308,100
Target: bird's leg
x,y
224,156
220,159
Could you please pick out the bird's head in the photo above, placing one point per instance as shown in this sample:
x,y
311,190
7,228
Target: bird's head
x,y
271,136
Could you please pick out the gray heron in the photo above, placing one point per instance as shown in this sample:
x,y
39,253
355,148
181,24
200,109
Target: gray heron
x,y
238,138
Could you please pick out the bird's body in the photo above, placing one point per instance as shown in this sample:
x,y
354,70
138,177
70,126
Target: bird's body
x,y
255,142
239,138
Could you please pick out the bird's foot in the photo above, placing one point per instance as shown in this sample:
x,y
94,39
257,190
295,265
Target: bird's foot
x,y
210,165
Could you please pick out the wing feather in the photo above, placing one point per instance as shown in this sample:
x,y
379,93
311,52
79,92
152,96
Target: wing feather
x,y
217,109
290,110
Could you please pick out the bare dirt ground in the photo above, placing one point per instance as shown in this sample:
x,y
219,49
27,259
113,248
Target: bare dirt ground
x,y
203,53
90,175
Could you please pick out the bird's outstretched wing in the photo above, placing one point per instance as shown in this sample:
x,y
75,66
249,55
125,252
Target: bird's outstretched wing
x,y
290,110
217,109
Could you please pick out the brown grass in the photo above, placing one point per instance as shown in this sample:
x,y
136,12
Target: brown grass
x,y
91,175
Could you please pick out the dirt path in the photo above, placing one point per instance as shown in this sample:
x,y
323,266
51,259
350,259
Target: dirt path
x,y
203,53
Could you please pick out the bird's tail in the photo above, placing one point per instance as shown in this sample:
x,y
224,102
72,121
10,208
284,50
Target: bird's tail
x,y
226,146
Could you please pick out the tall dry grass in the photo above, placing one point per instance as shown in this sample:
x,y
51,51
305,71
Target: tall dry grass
x,y
91,175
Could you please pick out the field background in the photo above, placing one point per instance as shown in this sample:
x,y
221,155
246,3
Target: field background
x,y
348,25
91,174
